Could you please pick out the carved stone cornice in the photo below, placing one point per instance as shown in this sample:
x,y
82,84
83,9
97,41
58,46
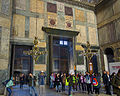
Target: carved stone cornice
x,y
111,45
103,3
109,20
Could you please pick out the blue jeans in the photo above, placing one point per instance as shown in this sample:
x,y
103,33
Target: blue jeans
x,y
9,90
33,88
79,85
51,84
70,89
57,87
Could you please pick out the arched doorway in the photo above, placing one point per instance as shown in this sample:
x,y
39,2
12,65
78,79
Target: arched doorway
x,y
110,54
108,57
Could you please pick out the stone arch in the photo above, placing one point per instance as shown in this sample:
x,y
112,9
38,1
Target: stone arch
x,y
110,54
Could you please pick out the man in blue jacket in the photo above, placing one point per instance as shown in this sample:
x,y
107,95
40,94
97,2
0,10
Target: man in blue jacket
x,y
41,82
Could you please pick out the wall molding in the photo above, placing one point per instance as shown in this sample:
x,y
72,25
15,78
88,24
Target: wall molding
x,y
109,20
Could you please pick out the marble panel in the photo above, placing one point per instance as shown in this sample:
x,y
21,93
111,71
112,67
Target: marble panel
x,y
103,33
116,7
79,48
32,27
4,64
40,24
27,23
5,75
82,37
40,6
5,22
0,36
61,20
5,42
52,20
33,5
68,11
5,7
117,26
91,17
42,44
0,5
79,15
51,7
20,4
107,12
92,36
33,32
19,25
111,32
68,22
60,7
40,67
100,16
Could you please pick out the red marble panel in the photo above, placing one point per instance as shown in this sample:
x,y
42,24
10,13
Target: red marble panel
x,y
51,7
68,11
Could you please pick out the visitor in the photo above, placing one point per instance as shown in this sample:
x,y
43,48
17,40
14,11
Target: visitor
x,y
9,84
88,82
41,82
79,79
82,79
57,80
107,81
70,81
75,82
22,78
112,80
116,83
96,83
32,84
63,81
52,79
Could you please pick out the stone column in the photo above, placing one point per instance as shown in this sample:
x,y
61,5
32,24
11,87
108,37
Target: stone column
x,y
85,63
106,62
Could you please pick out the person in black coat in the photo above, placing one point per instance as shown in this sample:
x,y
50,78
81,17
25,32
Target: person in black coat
x,y
57,80
106,81
22,78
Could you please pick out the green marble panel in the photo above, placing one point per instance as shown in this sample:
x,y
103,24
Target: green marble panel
x,y
27,27
0,36
41,59
80,59
5,7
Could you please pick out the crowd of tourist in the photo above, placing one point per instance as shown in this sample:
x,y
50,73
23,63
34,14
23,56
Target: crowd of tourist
x,y
90,83
87,82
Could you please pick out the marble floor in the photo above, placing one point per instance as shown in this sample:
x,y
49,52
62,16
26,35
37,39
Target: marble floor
x,y
48,92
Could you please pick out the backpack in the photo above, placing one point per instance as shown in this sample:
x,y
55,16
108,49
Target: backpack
x,y
95,83
10,83
5,82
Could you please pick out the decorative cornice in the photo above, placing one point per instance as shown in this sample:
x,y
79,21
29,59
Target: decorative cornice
x,y
86,5
54,31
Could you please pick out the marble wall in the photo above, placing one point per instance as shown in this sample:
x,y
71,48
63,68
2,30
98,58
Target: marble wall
x,y
108,20
5,22
50,13
108,17
53,14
